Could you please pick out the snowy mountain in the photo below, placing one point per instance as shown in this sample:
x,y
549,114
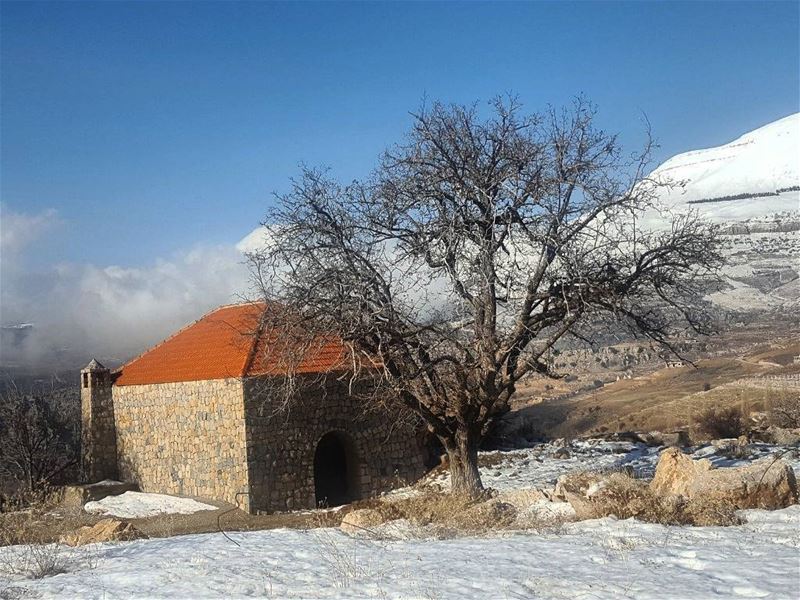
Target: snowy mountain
x,y
750,186
751,177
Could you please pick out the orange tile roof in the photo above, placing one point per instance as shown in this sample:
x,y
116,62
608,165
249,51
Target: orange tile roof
x,y
227,342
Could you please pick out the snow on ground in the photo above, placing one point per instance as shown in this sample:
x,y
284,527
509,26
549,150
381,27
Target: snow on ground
x,y
135,505
593,559
598,559
539,466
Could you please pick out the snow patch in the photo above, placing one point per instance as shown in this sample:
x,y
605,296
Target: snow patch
x,y
137,505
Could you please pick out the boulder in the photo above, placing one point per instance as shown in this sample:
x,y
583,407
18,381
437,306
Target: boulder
x,y
107,530
768,484
362,520
676,472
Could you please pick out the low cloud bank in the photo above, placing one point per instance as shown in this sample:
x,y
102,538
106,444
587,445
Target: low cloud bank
x,y
111,312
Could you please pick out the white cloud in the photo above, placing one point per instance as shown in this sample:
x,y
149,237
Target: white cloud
x,y
108,311
18,230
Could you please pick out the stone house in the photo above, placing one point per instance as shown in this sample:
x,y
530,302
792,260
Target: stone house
x,y
190,417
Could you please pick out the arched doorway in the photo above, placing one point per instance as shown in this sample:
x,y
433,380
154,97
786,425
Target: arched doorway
x,y
335,470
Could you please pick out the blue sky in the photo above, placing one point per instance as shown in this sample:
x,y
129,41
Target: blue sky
x,y
150,127
141,141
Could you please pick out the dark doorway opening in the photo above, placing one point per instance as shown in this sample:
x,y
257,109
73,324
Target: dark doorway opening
x,y
335,470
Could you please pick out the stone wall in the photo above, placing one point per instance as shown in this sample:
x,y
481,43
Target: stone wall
x,y
281,445
183,438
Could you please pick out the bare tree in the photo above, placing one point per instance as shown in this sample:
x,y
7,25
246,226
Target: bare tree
x,y
39,436
476,245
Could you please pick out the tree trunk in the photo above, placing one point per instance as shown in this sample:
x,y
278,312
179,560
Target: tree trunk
x,y
462,451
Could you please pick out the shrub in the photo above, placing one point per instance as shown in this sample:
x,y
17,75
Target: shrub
x,y
721,422
39,437
785,412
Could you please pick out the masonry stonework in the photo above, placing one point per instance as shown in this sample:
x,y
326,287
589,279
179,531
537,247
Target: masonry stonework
x,y
98,438
281,446
184,438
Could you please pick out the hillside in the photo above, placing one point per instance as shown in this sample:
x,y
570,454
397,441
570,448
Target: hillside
x,y
749,376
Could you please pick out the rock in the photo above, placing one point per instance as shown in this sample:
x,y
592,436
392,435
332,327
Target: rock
x,y
676,472
561,453
362,520
78,495
769,484
107,530
766,484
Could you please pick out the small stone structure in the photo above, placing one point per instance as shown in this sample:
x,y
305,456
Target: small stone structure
x,y
192,416
98,442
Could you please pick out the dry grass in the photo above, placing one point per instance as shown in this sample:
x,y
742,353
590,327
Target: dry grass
x,y
33,533
443,514
625,497
41,522
664,400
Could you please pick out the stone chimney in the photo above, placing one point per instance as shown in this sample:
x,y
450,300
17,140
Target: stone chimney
x,y
98,432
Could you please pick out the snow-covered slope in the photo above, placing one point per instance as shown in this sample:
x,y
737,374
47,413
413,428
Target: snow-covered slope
x,y
751,187
752,176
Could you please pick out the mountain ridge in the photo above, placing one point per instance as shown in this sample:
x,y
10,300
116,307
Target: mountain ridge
x,y
753,176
